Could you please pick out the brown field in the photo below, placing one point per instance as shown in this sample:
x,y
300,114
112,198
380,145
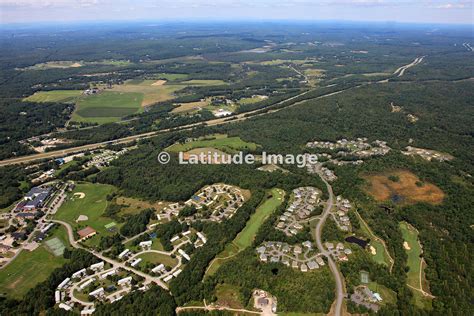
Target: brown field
x,y
381,188
190,106
158,83
134,206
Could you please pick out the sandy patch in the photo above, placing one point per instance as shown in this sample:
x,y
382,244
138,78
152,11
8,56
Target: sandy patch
x,y
79,195
158,83
403,191
373,251
406,246
82,218
75,65
31,246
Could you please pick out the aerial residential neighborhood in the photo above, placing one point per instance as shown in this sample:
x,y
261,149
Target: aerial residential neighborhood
x,y
182,158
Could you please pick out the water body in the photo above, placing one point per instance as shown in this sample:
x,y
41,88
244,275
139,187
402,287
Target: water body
x,y
361,242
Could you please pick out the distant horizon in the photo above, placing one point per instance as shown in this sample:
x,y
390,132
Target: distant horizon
x,y
228,21
452,12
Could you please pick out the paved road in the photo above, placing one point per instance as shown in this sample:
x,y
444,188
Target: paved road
x,y
340,290
72,241
128,139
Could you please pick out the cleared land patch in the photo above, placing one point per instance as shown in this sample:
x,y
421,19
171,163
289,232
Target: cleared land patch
x,y
63,64
107,106
220,142
54,96
406,189
190,106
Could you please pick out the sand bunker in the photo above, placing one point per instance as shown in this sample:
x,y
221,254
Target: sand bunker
x,y
82,218
373,251
406,246
408,189
158,83
79,195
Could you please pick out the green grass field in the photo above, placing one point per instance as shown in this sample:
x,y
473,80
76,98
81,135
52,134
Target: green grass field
x,y
31,268
200,82
171,77
382,256
92,205
388,296
415,275
107,106
157,258
245,238
54,96
222,142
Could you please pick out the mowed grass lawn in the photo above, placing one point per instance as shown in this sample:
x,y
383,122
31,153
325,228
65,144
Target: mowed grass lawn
x,y
54,96
92,205
245,238
107,106
382,256
31,268
157,258
220,142
415,275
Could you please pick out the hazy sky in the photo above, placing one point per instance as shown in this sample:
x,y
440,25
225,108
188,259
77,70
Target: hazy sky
x,y
438,11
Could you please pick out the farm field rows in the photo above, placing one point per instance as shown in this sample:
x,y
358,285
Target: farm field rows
x,y
107,107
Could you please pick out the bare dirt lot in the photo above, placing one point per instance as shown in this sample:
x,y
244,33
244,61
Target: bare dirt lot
x,y
406,189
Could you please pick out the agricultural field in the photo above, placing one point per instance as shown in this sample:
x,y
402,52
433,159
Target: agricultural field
x,y
88,200
31,268
221,142
403,187
66,96
415,275
152,91
107,106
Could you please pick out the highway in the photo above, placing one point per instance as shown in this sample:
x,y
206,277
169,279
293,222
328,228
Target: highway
x,y
340,290
128,139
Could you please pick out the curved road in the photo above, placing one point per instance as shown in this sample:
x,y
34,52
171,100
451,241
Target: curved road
x,y
340,290
122,265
